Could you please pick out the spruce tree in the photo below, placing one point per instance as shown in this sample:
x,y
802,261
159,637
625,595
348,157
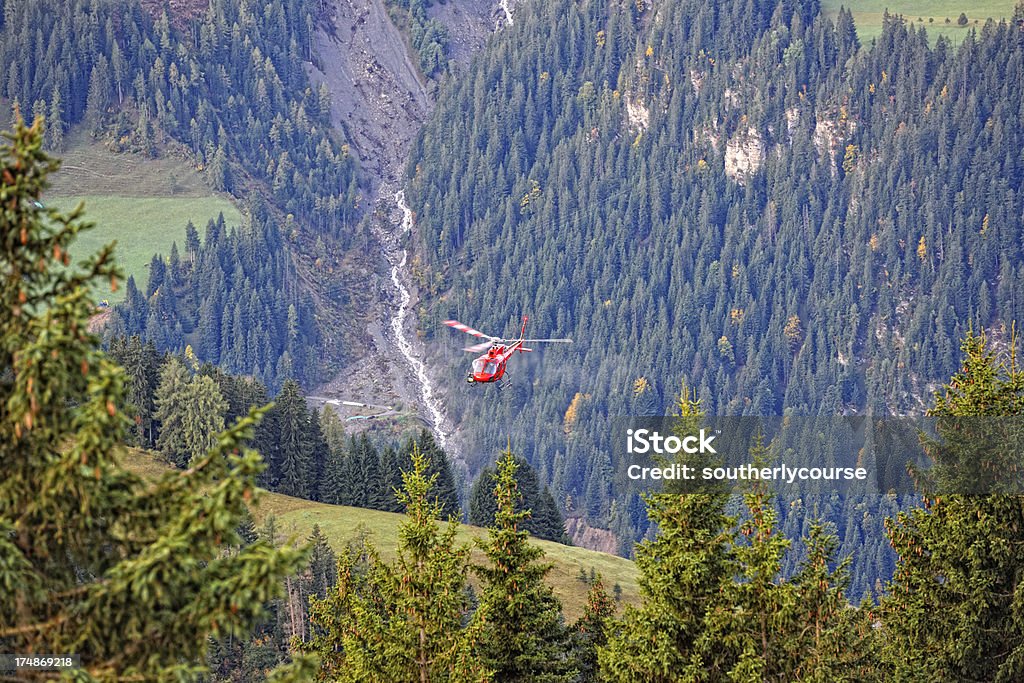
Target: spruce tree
x,y
190,411
293,441
524,639
319,455
545,521
332,485
377,493
591,632
955,607
401,621
142,367
681,572
168,401
322,564
445,492
390,466
749,622
131,575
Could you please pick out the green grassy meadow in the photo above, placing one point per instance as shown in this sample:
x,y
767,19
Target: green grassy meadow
x,y
141,203
340,524
867,14
141,226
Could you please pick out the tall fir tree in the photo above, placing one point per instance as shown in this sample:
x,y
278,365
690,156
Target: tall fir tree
x,y
681,571
590,632
545,521
130,575
402,621
445,491
524,638
141,363
717,606
319,455
293,441
167,401
955,606
190,411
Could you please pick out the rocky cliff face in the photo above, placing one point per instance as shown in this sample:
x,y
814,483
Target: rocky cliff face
x,y
744,154
592,538
638,116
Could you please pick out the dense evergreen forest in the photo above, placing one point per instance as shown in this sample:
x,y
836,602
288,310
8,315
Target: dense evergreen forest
x,y
736,195
93,557
231,89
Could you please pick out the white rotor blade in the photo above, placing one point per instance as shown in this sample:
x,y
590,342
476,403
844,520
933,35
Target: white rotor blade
x,y
553,341
468,330
478,347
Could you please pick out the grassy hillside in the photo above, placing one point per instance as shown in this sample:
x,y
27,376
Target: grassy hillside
x,y
141,226
141,203
867,14
340,524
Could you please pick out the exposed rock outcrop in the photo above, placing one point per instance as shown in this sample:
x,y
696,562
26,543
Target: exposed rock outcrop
x,y
744,154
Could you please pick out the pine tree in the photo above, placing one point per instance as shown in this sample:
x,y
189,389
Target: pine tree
x,y
955,609
524,639
401,621
129,574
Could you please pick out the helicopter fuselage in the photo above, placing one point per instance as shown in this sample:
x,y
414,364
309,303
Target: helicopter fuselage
x,y
490,367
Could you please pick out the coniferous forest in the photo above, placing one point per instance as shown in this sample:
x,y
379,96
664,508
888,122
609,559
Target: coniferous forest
x,y
732,208
735,195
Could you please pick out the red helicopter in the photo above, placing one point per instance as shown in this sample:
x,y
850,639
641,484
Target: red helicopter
x,y
490,367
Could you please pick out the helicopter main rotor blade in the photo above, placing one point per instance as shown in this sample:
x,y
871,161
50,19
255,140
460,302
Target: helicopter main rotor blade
x,y
478,347
468,330
552,341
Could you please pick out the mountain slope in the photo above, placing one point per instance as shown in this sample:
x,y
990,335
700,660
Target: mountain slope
x,y
731,194
341,524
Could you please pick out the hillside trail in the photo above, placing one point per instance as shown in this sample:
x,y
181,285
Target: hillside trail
x,y
380,102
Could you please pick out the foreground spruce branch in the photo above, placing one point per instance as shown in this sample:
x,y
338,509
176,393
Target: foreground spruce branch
x,y
94,561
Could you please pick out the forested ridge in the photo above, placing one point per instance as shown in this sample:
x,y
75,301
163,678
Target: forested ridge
x,y
229,89
733,194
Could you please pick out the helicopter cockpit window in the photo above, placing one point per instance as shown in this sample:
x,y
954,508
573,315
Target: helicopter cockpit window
x,y
482,366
